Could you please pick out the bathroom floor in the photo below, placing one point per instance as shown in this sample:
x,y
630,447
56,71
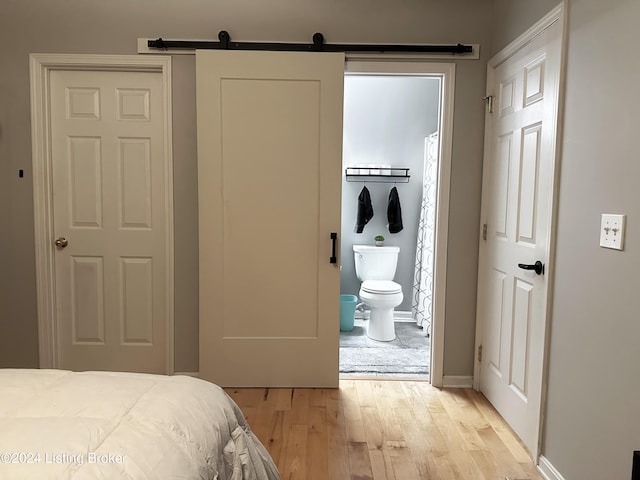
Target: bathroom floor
x,y
405,357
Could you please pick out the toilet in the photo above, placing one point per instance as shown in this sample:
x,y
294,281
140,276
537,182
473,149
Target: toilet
x,y
375,268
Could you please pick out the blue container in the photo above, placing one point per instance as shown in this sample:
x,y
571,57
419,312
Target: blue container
x,y
347,312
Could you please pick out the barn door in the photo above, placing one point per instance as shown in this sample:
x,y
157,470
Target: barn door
x,y
269,161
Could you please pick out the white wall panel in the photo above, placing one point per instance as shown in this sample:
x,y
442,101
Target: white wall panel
x,y
506,98
83,103
502,181
133,104
493,349
529,162
135,182
534,82
294,191
137,301
85,163
87,290
520,336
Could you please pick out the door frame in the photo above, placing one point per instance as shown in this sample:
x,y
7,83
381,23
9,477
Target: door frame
x,y
557,15
41,66
376,65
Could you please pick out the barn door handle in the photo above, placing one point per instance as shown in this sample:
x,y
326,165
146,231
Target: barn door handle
x,y
334,237
538,267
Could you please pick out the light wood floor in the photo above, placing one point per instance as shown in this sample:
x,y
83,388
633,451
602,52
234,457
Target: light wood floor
x,y
377,429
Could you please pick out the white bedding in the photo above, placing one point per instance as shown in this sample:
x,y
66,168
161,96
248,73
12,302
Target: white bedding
x,y
105,425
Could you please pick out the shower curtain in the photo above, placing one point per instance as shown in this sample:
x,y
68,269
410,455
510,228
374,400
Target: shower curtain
x,y
421,308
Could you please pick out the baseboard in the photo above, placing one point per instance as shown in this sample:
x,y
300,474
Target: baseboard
x,y
188,374
547,470
398,316
457,381
402,317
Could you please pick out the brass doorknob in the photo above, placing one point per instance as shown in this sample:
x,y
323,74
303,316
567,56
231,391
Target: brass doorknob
x,y
61,242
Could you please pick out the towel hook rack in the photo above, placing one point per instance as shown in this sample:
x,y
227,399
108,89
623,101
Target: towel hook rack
x,y
377,174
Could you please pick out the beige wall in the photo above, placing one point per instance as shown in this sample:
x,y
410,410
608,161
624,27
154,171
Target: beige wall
x,y
513,17
592,422
92,26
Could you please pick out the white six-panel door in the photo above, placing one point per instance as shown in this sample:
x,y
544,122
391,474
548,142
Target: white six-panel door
x,y
517,210
269,179
109,189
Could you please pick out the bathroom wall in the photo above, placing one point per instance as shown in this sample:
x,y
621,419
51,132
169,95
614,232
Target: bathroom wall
x,y
385,122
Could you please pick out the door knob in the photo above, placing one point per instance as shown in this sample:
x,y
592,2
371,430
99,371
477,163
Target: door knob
x,y
537,267
61,242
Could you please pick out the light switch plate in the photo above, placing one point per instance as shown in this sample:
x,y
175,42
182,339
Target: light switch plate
x,y
612,229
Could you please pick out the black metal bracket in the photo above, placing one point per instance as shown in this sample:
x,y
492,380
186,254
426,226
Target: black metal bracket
x,y
318,45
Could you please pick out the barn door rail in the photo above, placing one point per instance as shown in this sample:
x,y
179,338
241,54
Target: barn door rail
x,y
318,45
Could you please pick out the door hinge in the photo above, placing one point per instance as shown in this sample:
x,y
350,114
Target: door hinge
x,y
480,354
489,100
484,231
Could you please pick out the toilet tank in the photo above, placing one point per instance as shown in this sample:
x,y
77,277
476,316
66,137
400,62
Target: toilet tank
x,y
375,263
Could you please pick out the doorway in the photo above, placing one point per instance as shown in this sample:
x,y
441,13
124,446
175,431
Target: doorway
x,y
516,251
103,190
396,120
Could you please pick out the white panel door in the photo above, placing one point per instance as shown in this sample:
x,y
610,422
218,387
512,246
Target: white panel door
x,y
107,147
269,180
517,210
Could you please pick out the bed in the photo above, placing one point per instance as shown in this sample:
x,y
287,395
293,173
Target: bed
x,y
106,425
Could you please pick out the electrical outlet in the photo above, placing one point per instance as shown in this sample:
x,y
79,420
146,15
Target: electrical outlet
x,y
612,229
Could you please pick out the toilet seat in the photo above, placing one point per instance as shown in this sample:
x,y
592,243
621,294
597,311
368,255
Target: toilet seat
x,y
381,287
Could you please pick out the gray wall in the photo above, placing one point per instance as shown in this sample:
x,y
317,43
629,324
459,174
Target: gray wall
x,y
93,26
592,424
511,18
385,122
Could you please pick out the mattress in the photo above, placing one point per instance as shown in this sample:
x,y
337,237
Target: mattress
x,y
106,425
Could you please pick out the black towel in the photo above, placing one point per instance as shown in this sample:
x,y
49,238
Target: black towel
x,y
394,212
365,210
